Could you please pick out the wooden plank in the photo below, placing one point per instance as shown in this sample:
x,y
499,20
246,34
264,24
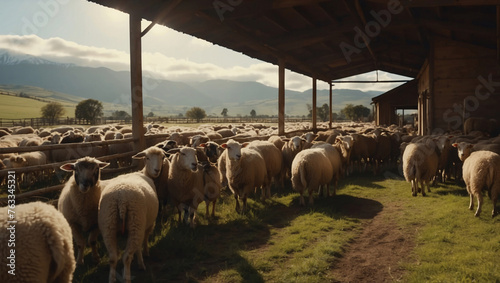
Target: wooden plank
x,y
314,104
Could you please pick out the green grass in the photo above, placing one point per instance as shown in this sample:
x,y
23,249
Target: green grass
x,y
279,241
13,107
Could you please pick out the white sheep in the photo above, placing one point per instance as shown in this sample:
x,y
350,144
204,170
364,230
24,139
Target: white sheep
x,y
128,204
44,247
289,150
185,182
311,169
420,162
79,202
334,156
481,170
245,171
274,163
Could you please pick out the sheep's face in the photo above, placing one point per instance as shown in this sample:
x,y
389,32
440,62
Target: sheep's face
x,y
153,157
310,137
211,150
86,172
233,149
187,158
297,143
463,149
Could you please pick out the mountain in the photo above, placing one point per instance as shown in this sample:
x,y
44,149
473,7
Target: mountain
x,y
163,97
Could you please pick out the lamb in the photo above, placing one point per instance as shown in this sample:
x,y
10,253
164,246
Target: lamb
x,y
48,254
79,202
311,169
420,162
274,162
246,170
129,204
481,170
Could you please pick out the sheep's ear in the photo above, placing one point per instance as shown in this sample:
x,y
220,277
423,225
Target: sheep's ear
x,y
203,145
244,144
68,167
224,145
139,155
470,146
454,144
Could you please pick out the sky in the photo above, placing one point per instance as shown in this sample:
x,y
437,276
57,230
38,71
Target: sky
x,y
87,34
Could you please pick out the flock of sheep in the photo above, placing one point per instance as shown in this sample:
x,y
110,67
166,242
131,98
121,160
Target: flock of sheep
x,y
193,166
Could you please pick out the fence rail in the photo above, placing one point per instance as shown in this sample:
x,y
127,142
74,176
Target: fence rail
x,y
42,122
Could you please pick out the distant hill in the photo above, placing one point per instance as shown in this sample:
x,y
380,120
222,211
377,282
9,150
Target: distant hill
x,y
71,83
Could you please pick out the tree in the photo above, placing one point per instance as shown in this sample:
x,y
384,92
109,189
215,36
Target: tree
x,y
120,115
323,112
52,111
253,113
196,113
355,112
89,110
224,112
151,114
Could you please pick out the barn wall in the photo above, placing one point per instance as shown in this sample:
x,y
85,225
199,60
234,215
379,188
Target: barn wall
x,y
423,96
459,70
384,112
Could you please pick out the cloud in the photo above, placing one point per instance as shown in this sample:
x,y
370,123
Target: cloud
x,y
158,65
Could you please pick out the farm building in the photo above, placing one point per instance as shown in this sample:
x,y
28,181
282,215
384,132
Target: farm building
x,y
451,48
403,97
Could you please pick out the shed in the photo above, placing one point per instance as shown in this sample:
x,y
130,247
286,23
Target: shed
x,y
333,39
402,97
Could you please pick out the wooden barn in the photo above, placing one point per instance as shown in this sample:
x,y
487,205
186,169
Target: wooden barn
x,y
403,97
451,47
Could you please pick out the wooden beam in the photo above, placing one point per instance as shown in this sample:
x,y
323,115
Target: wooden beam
x,y
498,33
314,127
330,100
164,11
136,81
438,3
456,26
281,97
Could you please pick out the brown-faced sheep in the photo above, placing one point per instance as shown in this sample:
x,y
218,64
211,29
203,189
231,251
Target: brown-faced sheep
x,y
79,202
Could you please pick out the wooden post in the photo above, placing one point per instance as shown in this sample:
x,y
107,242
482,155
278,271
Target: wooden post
x,y
314,104
136,82
281,97
331,109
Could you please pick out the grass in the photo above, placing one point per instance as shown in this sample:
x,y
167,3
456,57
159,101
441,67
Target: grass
x,y
14,107
279,241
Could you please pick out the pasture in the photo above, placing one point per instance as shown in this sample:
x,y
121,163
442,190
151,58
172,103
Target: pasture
x,y
372,231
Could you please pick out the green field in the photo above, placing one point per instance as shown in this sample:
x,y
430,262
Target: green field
x,y
13,107
279,241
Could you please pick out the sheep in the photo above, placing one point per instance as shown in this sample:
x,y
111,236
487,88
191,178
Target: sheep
x,y
79,202
225,133
465,148
344,145
185,183
4,133
277,141
289,151
481,170
24,130
62,129
420,162
196,140
274,162
93,137
221,165
246,170
311,169
214,136
334,157
212,151
211,186
129,204
489,126
364,148
45,252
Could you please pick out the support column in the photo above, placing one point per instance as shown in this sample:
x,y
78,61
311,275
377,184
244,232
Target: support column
x,y
331,114
136,82
314,105
281,97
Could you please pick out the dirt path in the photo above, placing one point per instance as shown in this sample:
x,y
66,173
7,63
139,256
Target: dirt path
x,y
376,254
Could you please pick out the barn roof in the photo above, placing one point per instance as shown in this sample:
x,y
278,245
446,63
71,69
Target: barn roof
x,y
404,96
327,39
